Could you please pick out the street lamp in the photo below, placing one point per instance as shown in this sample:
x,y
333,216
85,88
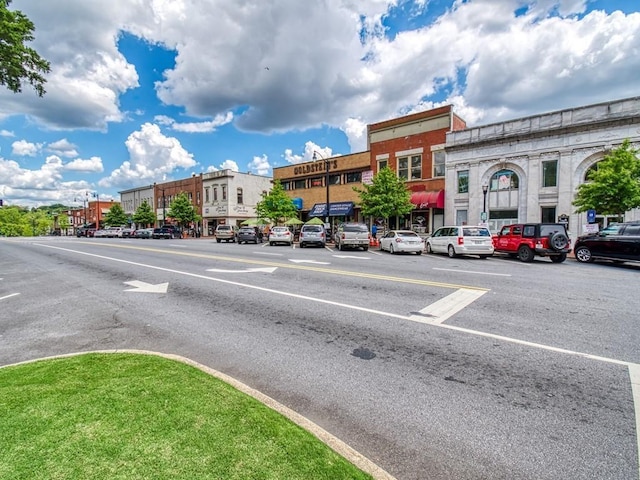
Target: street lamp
x,y
326,180
485,189
96,195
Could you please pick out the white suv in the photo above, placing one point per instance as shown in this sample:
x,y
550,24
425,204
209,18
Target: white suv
x,y
461,240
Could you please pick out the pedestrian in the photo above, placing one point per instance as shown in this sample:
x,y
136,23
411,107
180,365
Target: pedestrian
x,y
374,231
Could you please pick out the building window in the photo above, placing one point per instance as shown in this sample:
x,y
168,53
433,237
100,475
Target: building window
x,y
299,184
239,194
504,180
316,182
353,177
550,173
548,214
224,192
461,217
198,198
334,179
463,182
215,194
286,185
410,168
438,163
383,164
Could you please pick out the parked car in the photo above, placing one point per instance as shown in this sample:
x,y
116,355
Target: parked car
x,y
396,241
352,235
128,232
226,233
249,234
85,232
143,233
280,235
176,232
619,242
113,232
312,235
527,240
461,240
101,233
162,232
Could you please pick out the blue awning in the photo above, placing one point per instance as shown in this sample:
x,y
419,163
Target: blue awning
x,y
336,209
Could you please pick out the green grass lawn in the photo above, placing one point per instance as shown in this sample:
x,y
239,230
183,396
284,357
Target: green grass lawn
x,y
129,416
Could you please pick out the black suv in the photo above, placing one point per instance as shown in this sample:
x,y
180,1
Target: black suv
x,y
166,231
619,242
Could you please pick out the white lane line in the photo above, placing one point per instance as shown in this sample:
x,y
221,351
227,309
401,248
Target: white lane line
x,y
448,306
9,296
634,373
471,271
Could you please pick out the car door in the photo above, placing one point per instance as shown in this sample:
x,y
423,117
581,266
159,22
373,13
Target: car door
x,y
503,237
439,239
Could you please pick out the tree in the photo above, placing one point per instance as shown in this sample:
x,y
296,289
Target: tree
x,y
387,196
115,216
182,210
276,205
144,215
613,188
18,62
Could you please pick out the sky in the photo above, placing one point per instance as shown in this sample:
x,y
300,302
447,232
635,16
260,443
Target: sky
x,y
144,91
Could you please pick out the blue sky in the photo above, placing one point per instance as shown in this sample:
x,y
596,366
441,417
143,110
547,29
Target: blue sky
x,y
148,91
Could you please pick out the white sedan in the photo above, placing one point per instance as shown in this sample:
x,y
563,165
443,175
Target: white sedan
x,y
396,241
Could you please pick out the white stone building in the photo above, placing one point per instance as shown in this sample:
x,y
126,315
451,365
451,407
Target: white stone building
x,y
131,199
531,167
230,198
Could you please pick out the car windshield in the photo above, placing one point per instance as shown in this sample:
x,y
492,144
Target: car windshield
x,y
611,229
355,228
475,232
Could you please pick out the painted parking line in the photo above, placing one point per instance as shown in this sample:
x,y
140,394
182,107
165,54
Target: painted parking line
x,y
443,309
9,296
472,271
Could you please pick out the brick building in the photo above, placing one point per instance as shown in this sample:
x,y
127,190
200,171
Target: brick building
x,y
164,193
413,147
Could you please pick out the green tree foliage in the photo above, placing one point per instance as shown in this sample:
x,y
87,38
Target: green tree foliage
x,y
17,61
182,210
115,217
276,205
614,187
144,216
387,196
13,221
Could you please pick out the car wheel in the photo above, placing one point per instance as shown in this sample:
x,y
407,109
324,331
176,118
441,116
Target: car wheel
x,y
391,249
451,251
559,258
525,254
583,254
419,253
301,245
558,241
484,257
271,244
429,250
365,248
218,240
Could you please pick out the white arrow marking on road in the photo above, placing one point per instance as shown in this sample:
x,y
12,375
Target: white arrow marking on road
x,y
144,287
309,261
248,270
352,256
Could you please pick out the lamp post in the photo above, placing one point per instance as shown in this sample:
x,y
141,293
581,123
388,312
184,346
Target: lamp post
x,y
96,195
164,205
326,180
483,217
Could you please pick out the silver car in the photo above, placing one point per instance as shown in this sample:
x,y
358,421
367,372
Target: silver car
x,y
280,235
312,235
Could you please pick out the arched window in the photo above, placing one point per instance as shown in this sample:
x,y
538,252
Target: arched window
x,y
504,180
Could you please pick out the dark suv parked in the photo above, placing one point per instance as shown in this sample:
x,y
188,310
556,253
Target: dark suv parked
x,y
166,231
526,240
619,242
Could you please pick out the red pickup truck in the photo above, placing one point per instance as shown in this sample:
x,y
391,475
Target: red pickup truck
x,y
526,240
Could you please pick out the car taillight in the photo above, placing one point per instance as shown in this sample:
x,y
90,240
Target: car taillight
x,y
322,235
460,240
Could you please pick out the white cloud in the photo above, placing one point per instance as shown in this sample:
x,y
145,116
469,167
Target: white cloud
x,y
229,165
63,147
195,127
310,150
93,164
22,148
152,157
260,165
6,133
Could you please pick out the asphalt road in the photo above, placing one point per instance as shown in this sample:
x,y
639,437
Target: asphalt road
x,y
431,367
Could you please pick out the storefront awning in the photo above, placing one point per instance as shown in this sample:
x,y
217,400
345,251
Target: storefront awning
x,y
336,209
430,199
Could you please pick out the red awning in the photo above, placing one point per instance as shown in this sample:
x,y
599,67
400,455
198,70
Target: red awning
x,y
430,199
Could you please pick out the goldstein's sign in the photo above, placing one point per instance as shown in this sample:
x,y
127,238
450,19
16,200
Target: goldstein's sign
x,y
314,167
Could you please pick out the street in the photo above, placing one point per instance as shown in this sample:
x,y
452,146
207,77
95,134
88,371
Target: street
x,y
431,367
